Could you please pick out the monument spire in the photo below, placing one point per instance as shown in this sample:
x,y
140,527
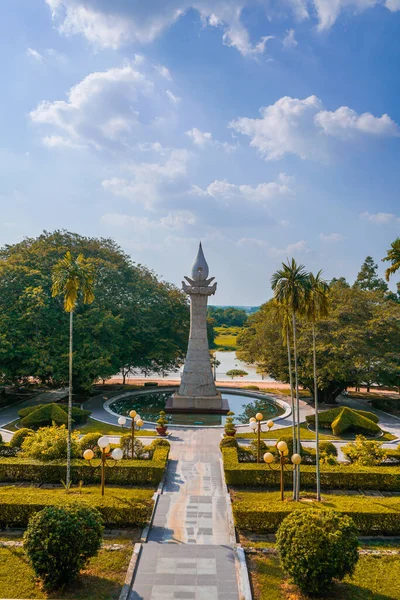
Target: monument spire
x,y
197,392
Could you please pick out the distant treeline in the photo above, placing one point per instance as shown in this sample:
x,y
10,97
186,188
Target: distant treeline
x,y
229,316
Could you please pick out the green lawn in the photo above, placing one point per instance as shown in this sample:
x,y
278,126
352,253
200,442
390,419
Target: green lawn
x,y
93,426
307,434
101,580
375,578
226,337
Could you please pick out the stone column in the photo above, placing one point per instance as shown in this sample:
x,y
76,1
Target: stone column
x,y
197,390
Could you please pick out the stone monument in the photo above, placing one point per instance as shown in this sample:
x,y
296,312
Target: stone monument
x,y
197,392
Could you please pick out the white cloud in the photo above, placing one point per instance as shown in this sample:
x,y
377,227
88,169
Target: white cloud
x,y
174,99
110,25
289,41
199,138
304,128
380,218
34,54
104,109
263,192
393,5
331,237
172,221
57,141
294,249
150,182
329,10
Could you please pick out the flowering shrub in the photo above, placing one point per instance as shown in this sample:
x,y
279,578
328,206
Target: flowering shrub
x,y
49,443
367,453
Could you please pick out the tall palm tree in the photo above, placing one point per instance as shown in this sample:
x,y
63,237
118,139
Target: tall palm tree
x,y
317,307
285,318
291,287
72,277
393,256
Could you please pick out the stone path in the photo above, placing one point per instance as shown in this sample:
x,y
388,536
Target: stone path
x,y
190,550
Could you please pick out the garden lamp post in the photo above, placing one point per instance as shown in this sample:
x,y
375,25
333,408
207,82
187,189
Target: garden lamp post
x,y
104,445
122,421
137,423
283,459
255,425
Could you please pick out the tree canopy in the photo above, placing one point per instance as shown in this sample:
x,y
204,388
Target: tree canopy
x,y
367,278
359,342
229,316
135,322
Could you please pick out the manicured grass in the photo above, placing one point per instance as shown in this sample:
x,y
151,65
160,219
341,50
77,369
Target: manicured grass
x,y
93,426
274,434
12,426
375,578
101,580
286,392
226,337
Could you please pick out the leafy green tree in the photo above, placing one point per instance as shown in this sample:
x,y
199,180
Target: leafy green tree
x,y
72,277
316,308
136,320
367,278
229,316
393,256
291,287
359,341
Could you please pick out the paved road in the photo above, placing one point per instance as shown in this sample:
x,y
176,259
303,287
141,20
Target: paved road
x,y
190,550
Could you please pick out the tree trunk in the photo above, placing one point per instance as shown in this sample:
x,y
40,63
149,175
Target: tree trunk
x,y
316,417
296,377
123,376
68,478
292,404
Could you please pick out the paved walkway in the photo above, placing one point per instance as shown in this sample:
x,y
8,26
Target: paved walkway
x,y
190,550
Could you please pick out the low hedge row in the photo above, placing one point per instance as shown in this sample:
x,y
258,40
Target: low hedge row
x,y
346,477
372,516
126,472
118,507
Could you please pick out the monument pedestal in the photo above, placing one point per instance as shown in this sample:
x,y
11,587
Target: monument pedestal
x,y
214,405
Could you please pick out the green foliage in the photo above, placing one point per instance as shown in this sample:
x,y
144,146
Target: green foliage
x,y
229,316
349,420
162,421
60,541
228,442
49,443
136,322
140,451
236,373
229,426
328,448
126,472
316,547
89,442
333,477
367,278
78,414
1,438
365,452
150,384
19,436
358,342
343,419
263,512
46,415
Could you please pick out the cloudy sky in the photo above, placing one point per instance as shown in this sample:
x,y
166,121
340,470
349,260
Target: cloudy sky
x,y
266,128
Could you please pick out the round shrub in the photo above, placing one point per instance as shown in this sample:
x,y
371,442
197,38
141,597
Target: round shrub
x,y
89,442
316,546
328,448
228,442
59,542
49,443
19,436
254,447
159,442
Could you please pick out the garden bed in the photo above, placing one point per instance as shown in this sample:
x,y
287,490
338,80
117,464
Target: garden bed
x,y
263,512
120,507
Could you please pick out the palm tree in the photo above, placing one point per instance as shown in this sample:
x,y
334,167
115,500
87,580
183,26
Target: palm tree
x,y
393,256
285,318
291,285
317,307
71,277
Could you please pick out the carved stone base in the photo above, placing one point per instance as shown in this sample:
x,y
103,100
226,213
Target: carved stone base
x,y
197,404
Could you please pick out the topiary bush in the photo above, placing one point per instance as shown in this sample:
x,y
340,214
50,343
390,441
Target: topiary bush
x,y
342,419
45,415
316,546
328,448
89,442
59,542
367,453
228,442
19,436
49,443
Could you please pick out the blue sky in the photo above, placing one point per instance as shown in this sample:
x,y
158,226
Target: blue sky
x,y
267,129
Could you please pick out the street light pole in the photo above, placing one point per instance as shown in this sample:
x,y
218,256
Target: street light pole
x,y
133,414
283,453
104,444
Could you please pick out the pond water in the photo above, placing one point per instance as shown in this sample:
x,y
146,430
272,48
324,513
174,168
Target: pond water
x,y
149,406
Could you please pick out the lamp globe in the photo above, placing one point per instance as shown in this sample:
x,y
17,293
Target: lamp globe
x,y
117,454
103,442
282,446
121,421
88,454
133,414
268,458
259,416
296,459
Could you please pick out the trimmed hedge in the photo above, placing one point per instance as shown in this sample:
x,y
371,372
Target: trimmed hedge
x,y
333,477
326,417
39,415
126,472
264,512
349,419
119,507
